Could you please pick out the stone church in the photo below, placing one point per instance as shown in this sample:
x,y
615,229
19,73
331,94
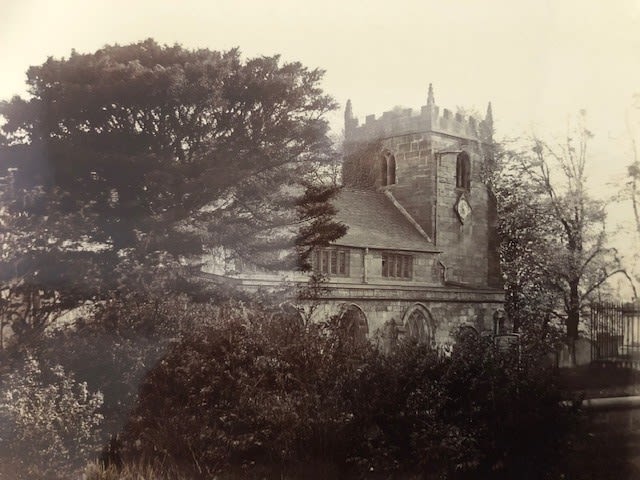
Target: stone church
x,y
420,253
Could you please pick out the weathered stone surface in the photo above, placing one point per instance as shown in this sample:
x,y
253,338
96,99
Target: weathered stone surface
x,y
448,316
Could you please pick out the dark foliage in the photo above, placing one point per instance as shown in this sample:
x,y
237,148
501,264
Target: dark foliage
x,y
117,342
259,392
126,161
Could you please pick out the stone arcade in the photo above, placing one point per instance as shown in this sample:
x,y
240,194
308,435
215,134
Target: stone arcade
x,y
420,254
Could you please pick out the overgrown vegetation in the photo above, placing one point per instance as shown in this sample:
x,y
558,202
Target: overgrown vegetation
x,y
243,389
49,421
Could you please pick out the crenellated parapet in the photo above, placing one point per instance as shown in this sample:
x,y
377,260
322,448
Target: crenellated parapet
x,y
430,118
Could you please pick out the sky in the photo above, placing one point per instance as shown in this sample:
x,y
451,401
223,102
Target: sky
x,y
538,61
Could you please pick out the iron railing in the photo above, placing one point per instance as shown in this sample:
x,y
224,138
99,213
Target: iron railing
x,y
615,333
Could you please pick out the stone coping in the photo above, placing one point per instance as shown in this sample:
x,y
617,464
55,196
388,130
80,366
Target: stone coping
x,y
608,403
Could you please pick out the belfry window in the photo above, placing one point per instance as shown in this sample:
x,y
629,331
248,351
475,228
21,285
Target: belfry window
x,y
463,171
387,169
391,169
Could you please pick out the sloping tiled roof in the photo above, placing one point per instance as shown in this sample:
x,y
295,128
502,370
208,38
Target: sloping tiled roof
x,y
375,222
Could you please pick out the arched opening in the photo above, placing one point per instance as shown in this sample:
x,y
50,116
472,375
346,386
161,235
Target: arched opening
x,y
353,323
463,171
391,169
387,169
419,324
383,170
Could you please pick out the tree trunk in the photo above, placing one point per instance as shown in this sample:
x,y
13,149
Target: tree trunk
x,y
573,320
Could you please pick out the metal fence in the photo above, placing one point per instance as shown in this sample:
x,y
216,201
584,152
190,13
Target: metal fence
x,y
615,333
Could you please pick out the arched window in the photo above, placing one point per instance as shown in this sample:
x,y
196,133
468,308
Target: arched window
x,y
387,169
419,325
383,170
353,323
463,171
391,169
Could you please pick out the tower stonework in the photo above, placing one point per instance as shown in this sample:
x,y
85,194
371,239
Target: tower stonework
x,y
439,162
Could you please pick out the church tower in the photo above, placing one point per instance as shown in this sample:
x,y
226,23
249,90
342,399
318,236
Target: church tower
x,y
432,163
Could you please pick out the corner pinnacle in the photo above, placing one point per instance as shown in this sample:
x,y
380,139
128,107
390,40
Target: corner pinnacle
x,y
430,99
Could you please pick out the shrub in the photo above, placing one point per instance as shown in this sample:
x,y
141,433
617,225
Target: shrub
x,y
246,390
115,347
479,412
50,422
254,390
118,344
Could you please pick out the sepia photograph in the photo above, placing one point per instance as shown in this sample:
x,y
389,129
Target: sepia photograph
x,y
319,240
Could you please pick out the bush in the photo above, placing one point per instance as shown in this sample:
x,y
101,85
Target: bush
x,y
110,351
239,392
115,347
255,391
479,412
50,422
118,344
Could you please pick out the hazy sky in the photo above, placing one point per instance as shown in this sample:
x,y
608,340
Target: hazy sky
x,y
538,61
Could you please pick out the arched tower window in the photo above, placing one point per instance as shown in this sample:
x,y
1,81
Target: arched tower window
x,y
384,166
353,324
463,171
388,169
419,325
391,169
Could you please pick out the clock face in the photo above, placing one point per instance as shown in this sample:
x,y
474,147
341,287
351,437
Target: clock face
x,y
463,209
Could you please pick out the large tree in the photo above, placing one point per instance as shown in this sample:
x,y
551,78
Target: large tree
x,y
525,229
132,158
554,246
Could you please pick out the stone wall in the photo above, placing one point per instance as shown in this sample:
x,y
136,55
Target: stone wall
x,y
447,316
465,244
382,301
425,269
415,174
